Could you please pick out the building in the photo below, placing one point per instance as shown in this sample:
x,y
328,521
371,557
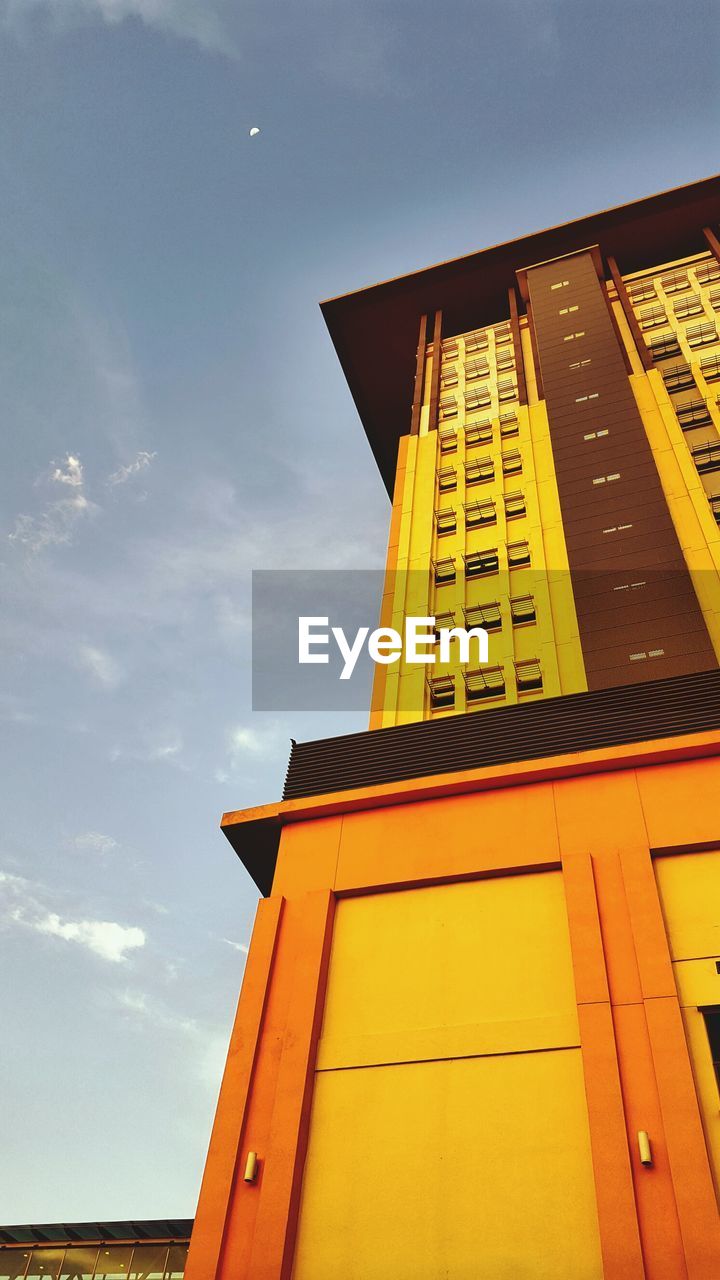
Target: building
x,y
95,1251
479,1031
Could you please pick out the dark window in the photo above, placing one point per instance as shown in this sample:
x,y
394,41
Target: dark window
x,y
699,335
642,292
484,615
651,317
479,513
690,306
508,425
442,691
711,1018
479,471
443,622
518,554
511,462
693,414
528,675
444,571
678,377
515,505
478,563
707,271
447,479
486,682
715,507
710,368
448,407
448,440
477,399
478,433
445,521
706,457
476,368
664,345
476,341
675,281
522,609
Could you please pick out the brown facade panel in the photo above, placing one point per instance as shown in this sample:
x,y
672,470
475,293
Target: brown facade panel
x,y
609,481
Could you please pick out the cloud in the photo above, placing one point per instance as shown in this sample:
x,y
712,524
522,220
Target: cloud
x,y
72,475
56,524
94,842
104,670
105,938
237,946
123,474
245,744
196,20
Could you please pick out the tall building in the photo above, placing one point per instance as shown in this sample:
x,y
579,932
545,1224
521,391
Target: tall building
x,y
479,1032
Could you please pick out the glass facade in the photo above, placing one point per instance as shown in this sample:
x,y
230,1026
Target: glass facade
x,y
94,1262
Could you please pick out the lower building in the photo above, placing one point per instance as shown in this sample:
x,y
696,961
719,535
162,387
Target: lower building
x,y
153,1250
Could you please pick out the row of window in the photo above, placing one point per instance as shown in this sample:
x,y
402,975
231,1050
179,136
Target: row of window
x,y
674,281
683,308
478,398
664,345
479,564
93,1262
480,470
477,367
478,341
485,683
477,433
479,513
489,616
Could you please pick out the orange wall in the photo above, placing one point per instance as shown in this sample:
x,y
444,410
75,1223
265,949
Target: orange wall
x,y
601,828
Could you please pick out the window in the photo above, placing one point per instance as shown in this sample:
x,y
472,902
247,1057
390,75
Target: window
x,y
443,622
479,563
580,364
566,311
678,377
707,271
479,513
522,610
508,425
449,376
690,306
593,395
448,407
476,341
448,440
528,675
445,521
506,389
711,1018
442,692
615,475
449,349
479,471
664,345
693,414
515,505
487,682
518,554
444,571
643,291
570,337
675,281
714,298
505,359
559,284
651,317
478,398
715,507
706,457
478,433
478,368
511,462
447,479
699,335
484,615
710,368
502,335
596,435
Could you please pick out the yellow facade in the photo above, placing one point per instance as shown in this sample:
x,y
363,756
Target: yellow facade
x,y
452,1004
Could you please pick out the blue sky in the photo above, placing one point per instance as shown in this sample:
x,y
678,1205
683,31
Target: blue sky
x,y
174,416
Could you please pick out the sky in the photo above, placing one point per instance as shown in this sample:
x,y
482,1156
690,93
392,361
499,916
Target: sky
x,y
174,416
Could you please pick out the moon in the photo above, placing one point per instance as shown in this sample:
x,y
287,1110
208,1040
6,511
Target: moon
x,y
254,132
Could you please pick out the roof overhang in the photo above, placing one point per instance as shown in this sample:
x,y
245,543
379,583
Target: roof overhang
x,y
375,330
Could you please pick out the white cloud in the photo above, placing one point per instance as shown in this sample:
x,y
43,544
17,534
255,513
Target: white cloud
x,y
72,475
245,744
236,946
196,20
23,906
104,670
55,525
123,474
94,842
105,938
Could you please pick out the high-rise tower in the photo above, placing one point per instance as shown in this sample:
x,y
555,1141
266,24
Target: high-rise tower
x,y
479,1031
